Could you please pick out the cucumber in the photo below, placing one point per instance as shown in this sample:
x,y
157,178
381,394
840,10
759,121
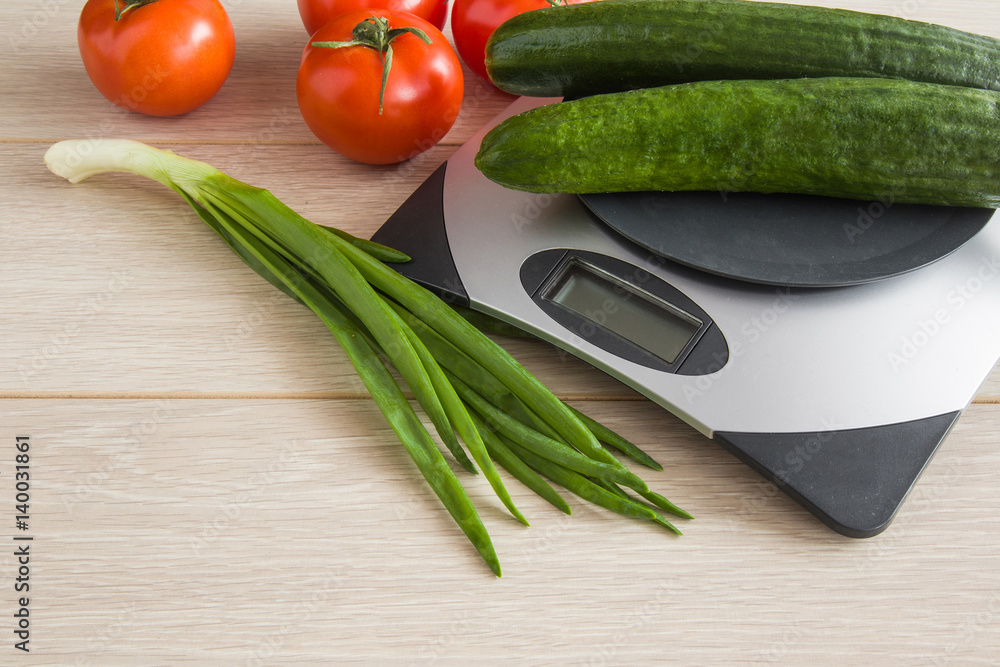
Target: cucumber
x,y
616,45
844,137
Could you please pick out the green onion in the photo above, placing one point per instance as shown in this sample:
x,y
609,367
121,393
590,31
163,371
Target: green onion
x,y
473,392
543,446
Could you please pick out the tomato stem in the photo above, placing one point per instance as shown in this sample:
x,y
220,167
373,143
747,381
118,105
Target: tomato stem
x,y
374,33
129,4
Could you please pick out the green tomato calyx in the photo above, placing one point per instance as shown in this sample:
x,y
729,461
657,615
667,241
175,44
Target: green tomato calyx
x,y
374,33
121,8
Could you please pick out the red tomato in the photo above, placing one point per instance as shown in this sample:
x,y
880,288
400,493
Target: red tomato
x,y
163,58
339,89
316,13
473,21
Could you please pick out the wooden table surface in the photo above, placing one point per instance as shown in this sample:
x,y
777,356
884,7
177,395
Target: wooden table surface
x,y
211,484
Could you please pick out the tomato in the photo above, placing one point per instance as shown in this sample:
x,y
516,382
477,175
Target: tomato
x,y
161,58
340,90
316,13
473,21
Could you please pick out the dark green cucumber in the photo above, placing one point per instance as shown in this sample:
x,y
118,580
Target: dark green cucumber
x,y
844,137
616,45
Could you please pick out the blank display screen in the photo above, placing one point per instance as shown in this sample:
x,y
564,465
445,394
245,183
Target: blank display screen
x,y
624,309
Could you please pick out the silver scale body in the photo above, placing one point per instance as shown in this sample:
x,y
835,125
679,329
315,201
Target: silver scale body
x,y
801,360
841,360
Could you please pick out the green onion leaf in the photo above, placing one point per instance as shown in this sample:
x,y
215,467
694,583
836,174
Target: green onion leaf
x,y
467,385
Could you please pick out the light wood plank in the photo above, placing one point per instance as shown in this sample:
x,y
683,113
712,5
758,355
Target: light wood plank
x,y
220,491
47,94
114,284
297,532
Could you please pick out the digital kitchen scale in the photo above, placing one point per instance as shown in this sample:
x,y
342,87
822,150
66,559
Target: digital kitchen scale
x,y
829,344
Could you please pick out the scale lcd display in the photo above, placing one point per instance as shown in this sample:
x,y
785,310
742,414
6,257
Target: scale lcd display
x,y
626,310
